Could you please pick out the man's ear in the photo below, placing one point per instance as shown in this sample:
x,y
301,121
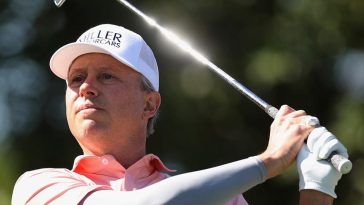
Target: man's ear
x,y
152,103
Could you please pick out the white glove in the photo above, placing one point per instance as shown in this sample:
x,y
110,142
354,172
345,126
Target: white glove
x,y
315,173
322,143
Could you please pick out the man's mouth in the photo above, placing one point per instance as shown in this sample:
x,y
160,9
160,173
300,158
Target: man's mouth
x,y
88,107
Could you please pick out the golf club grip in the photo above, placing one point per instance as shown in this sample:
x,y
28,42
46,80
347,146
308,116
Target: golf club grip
x,y
341,164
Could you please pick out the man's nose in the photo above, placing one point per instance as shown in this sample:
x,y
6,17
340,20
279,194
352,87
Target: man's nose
x,y
88,89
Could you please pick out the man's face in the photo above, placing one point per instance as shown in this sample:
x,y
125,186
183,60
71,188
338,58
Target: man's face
x,y
105,104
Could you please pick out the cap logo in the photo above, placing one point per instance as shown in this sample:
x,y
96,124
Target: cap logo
x,y
102,37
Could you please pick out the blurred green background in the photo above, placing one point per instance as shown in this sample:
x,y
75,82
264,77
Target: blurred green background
x,y
305,53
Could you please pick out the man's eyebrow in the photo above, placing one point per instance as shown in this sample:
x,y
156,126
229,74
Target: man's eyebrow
x,y
74,70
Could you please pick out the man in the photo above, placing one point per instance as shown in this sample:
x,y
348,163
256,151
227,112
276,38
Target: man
x,y
112,99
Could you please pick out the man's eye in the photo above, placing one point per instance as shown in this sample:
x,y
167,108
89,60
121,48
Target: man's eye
x,y
77,79
106,76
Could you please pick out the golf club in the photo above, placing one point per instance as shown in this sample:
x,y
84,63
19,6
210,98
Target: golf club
x,y
342,164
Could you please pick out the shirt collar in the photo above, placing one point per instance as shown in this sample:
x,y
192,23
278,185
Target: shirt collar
x,y
108,166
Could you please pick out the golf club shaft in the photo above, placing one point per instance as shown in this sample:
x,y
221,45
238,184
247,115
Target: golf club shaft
x,y
199,57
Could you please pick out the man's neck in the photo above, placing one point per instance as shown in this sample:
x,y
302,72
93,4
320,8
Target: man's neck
x,y
129,157
125,153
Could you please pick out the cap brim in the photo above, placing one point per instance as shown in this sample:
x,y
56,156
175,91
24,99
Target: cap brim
x,y
62,59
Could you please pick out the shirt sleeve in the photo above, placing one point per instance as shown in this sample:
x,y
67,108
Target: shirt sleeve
x,y
52,186
212,186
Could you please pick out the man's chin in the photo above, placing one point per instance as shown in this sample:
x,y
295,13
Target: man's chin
x,y
91,127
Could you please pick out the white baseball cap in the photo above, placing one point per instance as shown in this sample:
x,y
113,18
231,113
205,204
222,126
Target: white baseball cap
x,y
124,45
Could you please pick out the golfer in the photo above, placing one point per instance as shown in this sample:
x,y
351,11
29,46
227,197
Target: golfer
x,y
112,100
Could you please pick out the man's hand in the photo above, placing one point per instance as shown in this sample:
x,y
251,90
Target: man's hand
x,y
314,172
322,143
287,135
